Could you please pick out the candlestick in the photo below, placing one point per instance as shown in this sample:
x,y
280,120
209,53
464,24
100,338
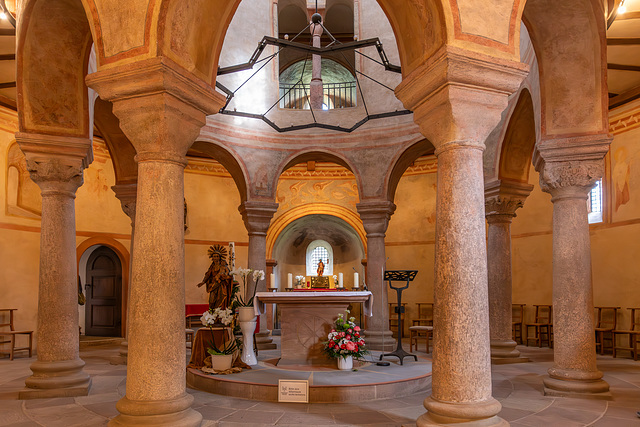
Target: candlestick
x,y
339,280
273,280
289,280
356,282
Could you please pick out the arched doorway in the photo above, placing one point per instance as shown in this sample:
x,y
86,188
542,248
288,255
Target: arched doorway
x,y
103,289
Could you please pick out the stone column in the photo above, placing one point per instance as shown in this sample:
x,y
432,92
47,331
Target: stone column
x,y
315,87
257,217
127,194
56,164
568,170
375,215
161,109
502,199
458,98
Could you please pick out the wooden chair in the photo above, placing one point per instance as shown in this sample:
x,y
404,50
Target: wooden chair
x,y
12,333
419,332
517,322
425,314
633,334
606,323
393,319
542,326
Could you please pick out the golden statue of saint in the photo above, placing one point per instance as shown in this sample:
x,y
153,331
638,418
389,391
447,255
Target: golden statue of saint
x,y
218,280
321,267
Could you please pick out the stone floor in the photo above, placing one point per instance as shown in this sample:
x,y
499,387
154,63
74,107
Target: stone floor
x,y
518,387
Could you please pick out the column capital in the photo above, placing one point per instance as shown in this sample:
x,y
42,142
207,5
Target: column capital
x,y
56,162
375,215
161,106
569,167
503,198
127,194
458,96
257,215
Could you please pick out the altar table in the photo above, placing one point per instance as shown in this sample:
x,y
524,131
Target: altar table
x,y
305,320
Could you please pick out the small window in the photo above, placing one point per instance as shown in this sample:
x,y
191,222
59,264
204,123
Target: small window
x,y
594,203
316,251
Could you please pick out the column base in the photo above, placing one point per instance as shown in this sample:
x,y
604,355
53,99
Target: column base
x,y
379,340
63,378
594,389
481,414
174,412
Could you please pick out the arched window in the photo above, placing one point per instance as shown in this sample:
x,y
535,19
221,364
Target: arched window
x,y
594,203
316,251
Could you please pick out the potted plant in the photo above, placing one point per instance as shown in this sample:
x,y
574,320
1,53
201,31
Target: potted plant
x,y
344,342
245,308
221,358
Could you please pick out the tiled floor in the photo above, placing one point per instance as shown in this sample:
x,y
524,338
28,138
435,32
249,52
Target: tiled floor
x,y
518,387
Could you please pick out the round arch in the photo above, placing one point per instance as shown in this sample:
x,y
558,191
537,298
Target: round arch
x,y
347,215
319,156
123,254
228,160
402,162
519,141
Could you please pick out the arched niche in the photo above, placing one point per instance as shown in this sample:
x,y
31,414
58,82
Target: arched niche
x,y
291,244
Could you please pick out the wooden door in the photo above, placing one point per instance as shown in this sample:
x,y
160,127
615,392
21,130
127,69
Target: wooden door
x,y
104,294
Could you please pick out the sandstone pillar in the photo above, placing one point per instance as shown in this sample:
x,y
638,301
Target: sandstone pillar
x,y
56,164
257,217
375,215
568,170
502,199
127,194
458,98
161,109
316,97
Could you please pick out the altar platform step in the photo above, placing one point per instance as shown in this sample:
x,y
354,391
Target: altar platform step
x,y
326,385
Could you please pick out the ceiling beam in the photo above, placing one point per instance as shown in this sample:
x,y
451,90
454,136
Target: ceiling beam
x,y
622,41
622,67
8,57
7,85
624,97
7,31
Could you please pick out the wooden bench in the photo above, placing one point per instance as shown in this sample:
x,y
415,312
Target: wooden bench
x,y
11,334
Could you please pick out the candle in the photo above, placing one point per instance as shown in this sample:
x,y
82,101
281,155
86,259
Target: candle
x,y
339,280
356,283
289,280
273,280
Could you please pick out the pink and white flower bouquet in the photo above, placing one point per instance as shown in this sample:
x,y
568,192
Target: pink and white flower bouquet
x,y
344,339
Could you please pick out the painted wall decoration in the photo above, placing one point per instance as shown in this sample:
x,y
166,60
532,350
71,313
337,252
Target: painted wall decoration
x,y
292,193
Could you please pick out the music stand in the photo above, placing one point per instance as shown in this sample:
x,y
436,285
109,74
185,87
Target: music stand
x,y
399,276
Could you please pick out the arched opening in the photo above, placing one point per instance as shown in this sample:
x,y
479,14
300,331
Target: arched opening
x,y
406,159
106,284
519,141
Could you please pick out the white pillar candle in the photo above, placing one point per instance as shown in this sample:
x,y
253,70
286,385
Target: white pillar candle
x,y
356,283
273,280
339,280
289,280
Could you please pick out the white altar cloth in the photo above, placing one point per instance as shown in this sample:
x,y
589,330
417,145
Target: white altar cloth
x,y
318,297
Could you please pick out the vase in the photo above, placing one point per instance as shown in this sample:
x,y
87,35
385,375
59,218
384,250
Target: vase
x,y
221,362
246,314
345,363
248,356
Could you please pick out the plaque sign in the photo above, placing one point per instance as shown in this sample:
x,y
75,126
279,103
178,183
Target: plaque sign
x,y
296,391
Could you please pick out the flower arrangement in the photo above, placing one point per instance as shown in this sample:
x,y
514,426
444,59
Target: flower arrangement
x,y
257,275
344,339
299,281
215,317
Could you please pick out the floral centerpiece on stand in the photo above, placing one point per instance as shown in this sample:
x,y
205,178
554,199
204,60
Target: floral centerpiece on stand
x,y
256,275
344,342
